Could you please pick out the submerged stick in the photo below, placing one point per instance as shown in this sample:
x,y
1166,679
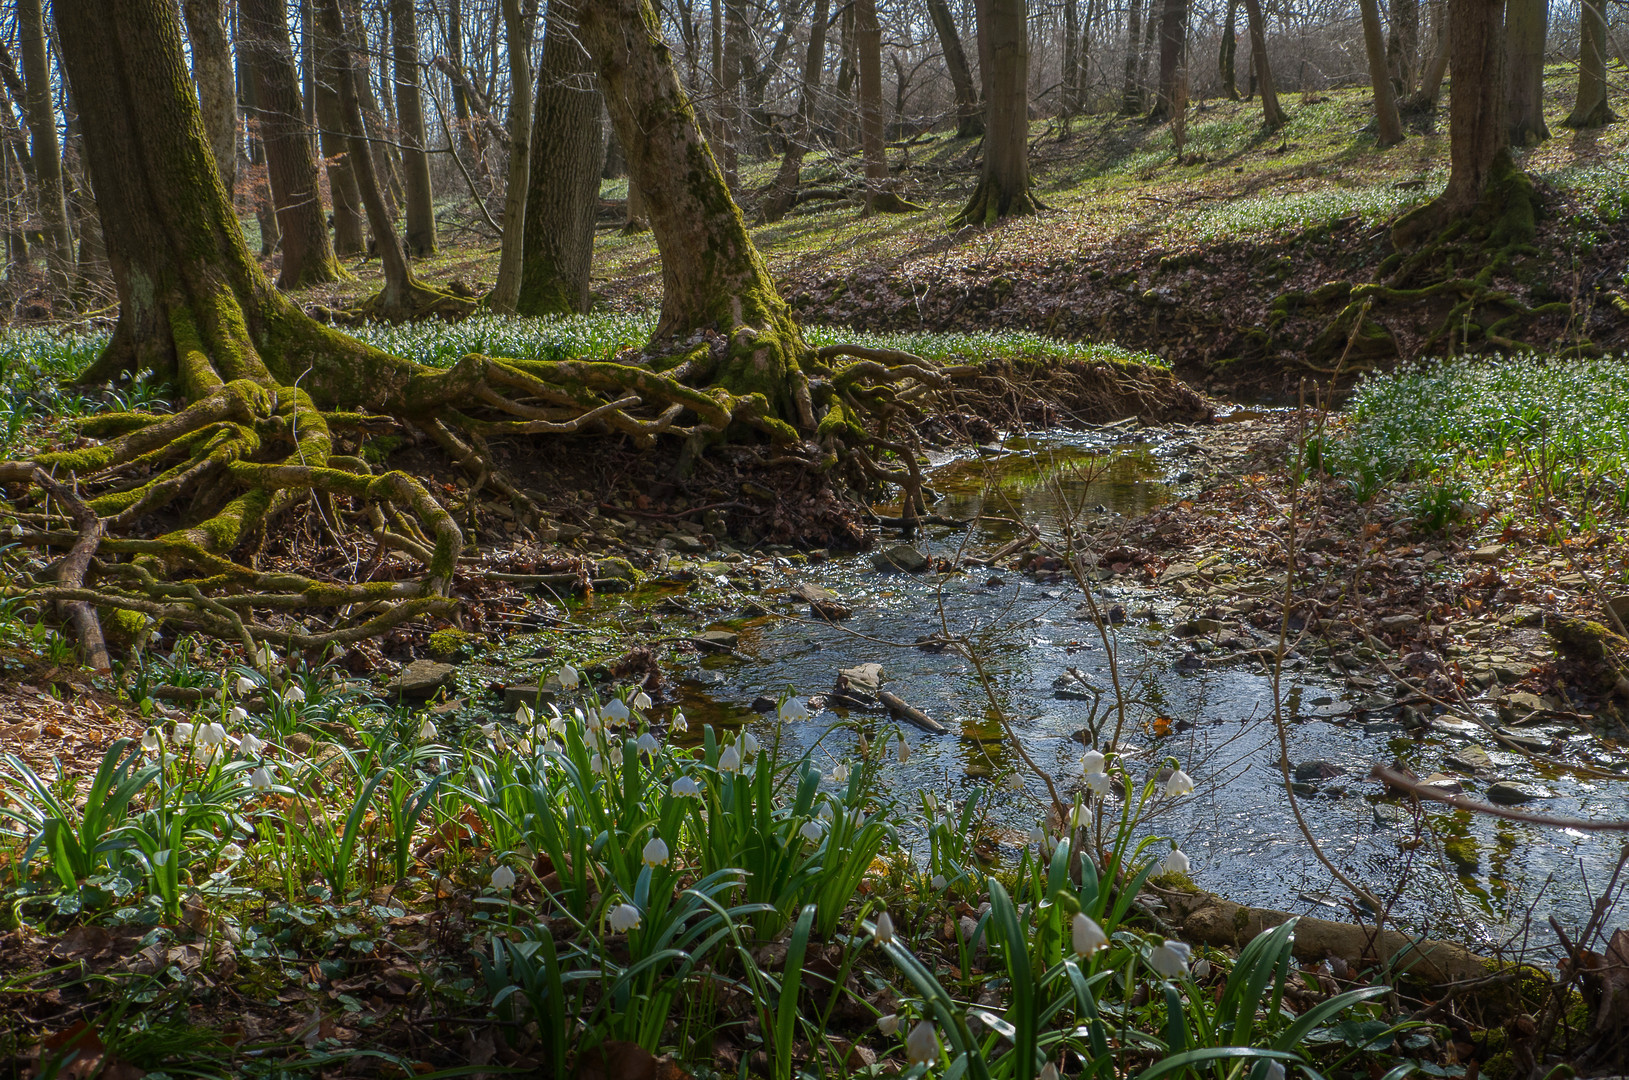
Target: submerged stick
x,y
905,711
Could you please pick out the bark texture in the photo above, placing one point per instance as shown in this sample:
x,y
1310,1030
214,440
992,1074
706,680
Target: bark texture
x,y
1403,45
45,149
1173,44
1004,185
421,215
1526,27
879,185
1591,108
308,255
1131,98
342,186
1388,127
212,71
783,193
1272,115
518,38
1230,50
969,117
567,153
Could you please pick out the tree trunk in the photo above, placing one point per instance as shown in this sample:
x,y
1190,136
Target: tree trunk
x,y
460,93
568,148
1271,114
712,275
421,214
729,89
1130,100
1526,26
212,71
308,255
1230,51
375,123
518,34
1591,109
1403,45
260,188
1173,42
342,185
45,150
1388,127
1425,99
879,194
636,220
783,195
1069,74
969,117
1004,187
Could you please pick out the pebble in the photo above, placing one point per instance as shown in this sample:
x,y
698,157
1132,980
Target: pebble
x,y
1509,792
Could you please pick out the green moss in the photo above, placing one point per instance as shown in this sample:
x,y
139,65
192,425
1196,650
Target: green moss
x,y
450,643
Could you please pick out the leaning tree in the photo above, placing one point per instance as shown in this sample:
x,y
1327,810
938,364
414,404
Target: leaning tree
x,y
162,516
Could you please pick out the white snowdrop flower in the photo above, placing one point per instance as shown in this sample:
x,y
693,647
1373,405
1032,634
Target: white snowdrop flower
x,y
1086,936
152,740
641,701
687,785
811,831
930,802
840,774
569,677
904,750
615,712
1098,784
884,934
655,853
1015,781
794,709
730,760
888,1025
922,1044
1081,818
293,695
231,853
183,732
1037,835
499,743
749,746
1170,960
623,917
523,714
489,729
246,686
864,745
503,879
679,723
237,715
825,813
648,744
592,721
261,778
1179,784
524,744
553,747
428,730
1048,1072
1201,968
596,763
1093,762
249,746
1174,863
938,883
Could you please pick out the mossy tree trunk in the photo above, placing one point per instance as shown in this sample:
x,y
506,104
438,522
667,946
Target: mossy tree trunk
x,y
1004,185
1591,108
308,254
969,116
783,193
1527,24
1388,126
568,148
421,213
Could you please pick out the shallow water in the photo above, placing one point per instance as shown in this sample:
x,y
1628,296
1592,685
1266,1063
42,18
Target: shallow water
x,y
1237,829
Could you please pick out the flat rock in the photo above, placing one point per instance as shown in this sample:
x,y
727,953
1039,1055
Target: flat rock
x,y
420,679
1443,784
1391,816
1490,553
1619,606
822,604
528,695
1177,572
1309,772
900,557
1514,708
1470,759
858,686
1509,792
716,641
1397,624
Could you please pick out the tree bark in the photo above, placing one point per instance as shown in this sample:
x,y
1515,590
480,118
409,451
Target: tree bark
x,y
260,185
1230,51
1389,127
346,196
731,120
1425,99
1004,186
1526,26
518,35
1173,42
783,194
1591,108
712,275
1271,114
1069,72
879,194
421,214
567,153
308,255
45,149
1403,45
969,117
212,71
1131,101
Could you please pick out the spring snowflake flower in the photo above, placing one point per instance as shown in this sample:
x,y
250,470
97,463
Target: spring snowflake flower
x,y
16,531
503,879
616,712
749,746
1086,935
840,774
1081,818
596,764
1178,785
811,831
249,746
687,785
211,735
641,701
261,778
888,1025
655,853
231,853
237,715
1015,781
428,730
826,813
1201,968
930,802
730,760
647,743
1093,762
569,677
523,714
904,750
794,709
885,929
293,695
1174,863
1098,784
679,723
1170,960
152,740
183,732
623,917
246,686
1037,836
922,1044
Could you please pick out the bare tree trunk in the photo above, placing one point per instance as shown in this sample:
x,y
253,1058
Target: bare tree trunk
x,y
308,255
637,221
1591,109
1271,114
260,191
375,122
1403,45
1526,26
1004,187
1173,42
421,214
1425,99
783,195
731,119
212,71
1230,51
518,34
1130,100
568,148
879,194
45,149
969,117
1388,126
460,92
1069,74
342,184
